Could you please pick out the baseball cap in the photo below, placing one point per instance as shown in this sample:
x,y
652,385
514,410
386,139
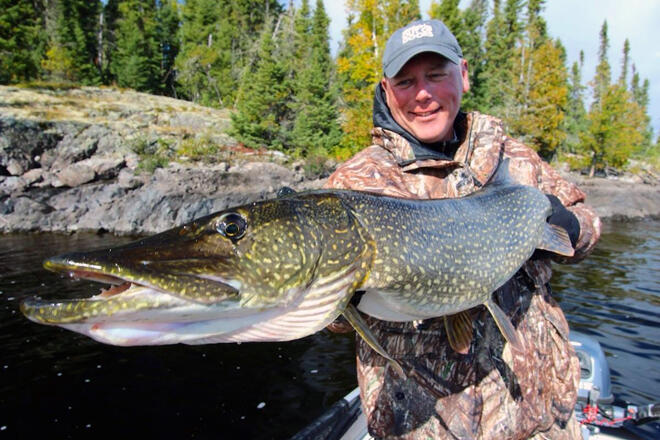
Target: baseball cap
x,y
415,38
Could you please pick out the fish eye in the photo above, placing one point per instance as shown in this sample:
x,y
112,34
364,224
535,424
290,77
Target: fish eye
x,y
232,226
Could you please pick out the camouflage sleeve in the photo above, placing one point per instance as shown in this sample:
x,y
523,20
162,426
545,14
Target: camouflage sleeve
x,y
528,168
372,169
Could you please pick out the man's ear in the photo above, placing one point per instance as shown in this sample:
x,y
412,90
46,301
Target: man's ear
x,y
464,75
385,84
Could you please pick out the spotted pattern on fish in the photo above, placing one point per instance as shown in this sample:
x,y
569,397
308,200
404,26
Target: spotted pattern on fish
x,y
285,268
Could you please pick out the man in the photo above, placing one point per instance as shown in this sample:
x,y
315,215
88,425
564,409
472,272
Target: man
x,y
425,147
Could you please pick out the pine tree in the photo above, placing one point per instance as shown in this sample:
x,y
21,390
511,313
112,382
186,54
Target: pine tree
x,y
72,49
539,83
615,120
502,34
448,12
218,42
262,98
204,62
168,39
602,80
136,60
108,45
359,63
640,95
316,126
575,122
623,79
21,41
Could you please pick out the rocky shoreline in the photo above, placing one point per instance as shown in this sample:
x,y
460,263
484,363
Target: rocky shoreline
x,y
69,162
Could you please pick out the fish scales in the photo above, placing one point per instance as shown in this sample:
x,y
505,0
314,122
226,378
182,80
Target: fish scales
x,y
442,256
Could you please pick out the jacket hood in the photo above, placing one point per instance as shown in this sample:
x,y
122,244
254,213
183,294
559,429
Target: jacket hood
x,y
445,150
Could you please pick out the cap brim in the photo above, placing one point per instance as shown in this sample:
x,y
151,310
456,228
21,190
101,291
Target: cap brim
x,y
401,59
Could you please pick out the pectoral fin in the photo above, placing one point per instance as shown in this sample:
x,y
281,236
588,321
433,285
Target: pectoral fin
x,y
504,324
555,239
459,331
353,316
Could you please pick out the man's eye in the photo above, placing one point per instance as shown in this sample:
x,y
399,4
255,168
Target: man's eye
x,y
438,76
403,83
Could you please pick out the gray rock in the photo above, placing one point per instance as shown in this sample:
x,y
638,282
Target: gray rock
x,y
105,168
25,215
33,176
22,140
16,167
76,174
12,184
128,180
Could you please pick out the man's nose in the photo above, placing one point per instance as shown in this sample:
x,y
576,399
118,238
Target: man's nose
x,y
423,93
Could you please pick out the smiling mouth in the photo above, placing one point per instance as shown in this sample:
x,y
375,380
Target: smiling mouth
x,y
425,114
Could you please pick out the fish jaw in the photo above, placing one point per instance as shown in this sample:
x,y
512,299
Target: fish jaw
x,y
142,316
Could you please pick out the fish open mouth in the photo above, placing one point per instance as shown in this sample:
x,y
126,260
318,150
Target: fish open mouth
x,y
115,290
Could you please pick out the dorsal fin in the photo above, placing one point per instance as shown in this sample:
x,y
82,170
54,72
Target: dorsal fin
x,y
501,175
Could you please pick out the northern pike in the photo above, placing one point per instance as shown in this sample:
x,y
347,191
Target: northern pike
x,y
285,268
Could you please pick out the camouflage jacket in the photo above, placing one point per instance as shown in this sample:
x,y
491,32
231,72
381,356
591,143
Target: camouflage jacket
x,y
493,391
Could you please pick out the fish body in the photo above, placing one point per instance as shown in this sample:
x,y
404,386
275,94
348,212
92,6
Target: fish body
x,y
285,268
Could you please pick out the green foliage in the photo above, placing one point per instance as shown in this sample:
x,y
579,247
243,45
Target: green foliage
x,y
540,89
575,121
217,42
315,104
167,33
198,148
60,64
153,154
136,59
21,41
72,48
273,66
287,100
617,123
262,99
502,33
614,128
601,81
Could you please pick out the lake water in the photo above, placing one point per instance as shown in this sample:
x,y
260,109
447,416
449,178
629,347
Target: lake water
x,y
57,383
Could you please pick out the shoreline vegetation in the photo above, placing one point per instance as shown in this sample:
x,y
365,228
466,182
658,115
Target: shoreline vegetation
x,y
120,161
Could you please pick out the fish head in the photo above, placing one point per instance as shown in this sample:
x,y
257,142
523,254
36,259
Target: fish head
x,y
274,270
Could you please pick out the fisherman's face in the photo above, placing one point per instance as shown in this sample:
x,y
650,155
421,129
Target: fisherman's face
x,y
425,96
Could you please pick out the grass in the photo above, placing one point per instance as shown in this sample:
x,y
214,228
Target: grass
x,y
48,85
199,148
153,154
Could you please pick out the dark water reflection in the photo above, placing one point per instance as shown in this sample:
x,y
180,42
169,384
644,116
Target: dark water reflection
x,y
63,385
614,295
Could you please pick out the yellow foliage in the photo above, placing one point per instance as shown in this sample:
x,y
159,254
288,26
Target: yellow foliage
x,y
541,96
59,63
359,64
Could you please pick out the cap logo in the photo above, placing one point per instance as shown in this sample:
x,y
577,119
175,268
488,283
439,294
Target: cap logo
x,y
415,32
